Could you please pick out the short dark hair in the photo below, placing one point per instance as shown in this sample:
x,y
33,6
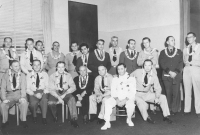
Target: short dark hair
x,y
146,38
131,40
100,40
6,38
147,60
39,41
83,44
13,61
192,34
29,39
114,37
61,62
167,39
120,64
54,43
37,61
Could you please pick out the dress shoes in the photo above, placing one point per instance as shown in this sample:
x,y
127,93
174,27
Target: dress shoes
x,y
167,120
100,121
34,119
106,126
150,120
44,121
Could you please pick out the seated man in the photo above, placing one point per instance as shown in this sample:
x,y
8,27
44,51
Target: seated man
x,y
147,80
123,89
61,85
102,92
84,88
37,89
13,90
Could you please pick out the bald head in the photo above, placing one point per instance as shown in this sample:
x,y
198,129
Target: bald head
x,y
83,70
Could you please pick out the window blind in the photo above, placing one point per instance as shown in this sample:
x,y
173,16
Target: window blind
x,y
20,19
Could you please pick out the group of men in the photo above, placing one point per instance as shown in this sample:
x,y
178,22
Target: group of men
x,y
105,79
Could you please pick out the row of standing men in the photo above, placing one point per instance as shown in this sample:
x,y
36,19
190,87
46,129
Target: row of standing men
x,y
170,60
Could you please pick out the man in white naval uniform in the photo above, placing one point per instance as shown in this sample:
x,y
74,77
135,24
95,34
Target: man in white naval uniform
x,y
123,89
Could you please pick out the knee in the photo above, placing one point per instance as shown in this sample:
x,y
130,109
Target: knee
x,y
3,106
32,104
50,103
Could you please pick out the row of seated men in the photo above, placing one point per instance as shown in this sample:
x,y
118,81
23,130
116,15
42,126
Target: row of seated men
x,y
170,60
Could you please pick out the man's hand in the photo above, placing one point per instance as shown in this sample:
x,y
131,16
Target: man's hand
x,y
6,101
99,99
80,98
38,95
22,100
172,74
62,96
83,93
60,100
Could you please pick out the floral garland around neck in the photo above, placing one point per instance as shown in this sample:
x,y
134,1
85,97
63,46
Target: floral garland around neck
x,y
7,56
96,53
111,50
87,77
126,53
64,80
58,57
175,52
17,79
154,49
193,52
33,78
149,79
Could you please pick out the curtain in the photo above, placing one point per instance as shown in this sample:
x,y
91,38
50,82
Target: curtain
x,y
184,21
47,22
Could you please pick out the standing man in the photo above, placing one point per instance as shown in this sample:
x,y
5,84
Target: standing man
x,y
114,53
13,90
84,88
102,87
99,57
191,72
61,87
171,62
27,57
7,54
83,60
123,89
37,89
129,56
147,81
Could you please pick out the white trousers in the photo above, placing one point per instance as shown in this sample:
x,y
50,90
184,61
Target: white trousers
x,y
142,99
191,77
93,106
111,103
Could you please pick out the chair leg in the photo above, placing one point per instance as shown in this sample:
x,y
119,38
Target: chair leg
x,y
78,109
66,112
89,116
63,113
17,109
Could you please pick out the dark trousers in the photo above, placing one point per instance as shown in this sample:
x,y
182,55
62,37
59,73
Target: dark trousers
x,y
85,105
69,100
42,102
173,95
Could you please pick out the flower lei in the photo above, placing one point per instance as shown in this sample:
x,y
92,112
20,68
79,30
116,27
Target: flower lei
x,y
83,60
126,53
17,79
33,78
7,56
87,77
111,50
154,49
149,79
193,52
58,57
58,80
96,53
175,52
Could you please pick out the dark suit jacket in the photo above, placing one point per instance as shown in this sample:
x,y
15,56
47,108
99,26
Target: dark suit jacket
x,y
89,88
131,65
174,64
94,63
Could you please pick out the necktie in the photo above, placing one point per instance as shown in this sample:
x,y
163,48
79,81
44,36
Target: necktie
x,y
37,81
31,58
114,57
85,58
83,81
61,84
190,56
74,60
131,54
146,79
102,83
101,54
9,54
14,81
